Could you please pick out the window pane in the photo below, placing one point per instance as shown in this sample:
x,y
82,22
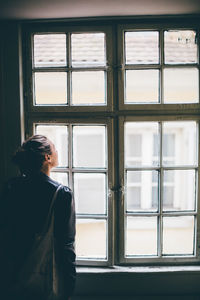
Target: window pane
x,y
49,50
89,146
90,193
50,88
88,49
142,86
169,145
182,148
88,88
141,236
180,46
60,177
181,85
91,238
140,151
136,141
168,197
140,196
178,235
179,192
141,47
59,136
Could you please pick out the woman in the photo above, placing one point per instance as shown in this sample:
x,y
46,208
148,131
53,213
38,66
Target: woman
x,y
25,205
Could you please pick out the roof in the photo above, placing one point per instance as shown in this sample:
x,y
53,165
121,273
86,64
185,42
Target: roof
x,y
88,49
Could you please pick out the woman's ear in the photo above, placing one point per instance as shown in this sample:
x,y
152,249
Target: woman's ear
x,y
47,158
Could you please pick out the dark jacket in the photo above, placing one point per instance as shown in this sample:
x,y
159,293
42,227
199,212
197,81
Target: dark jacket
x,y
25,203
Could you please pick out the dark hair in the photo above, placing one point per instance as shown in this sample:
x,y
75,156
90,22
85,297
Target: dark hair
x,y
31,155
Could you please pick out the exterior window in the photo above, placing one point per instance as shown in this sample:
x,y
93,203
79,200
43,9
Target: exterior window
x,y
179,75
85,169
163,189
121,105
69,69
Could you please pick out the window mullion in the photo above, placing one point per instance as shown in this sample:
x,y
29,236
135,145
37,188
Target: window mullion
x,y
121,194
198,196
197,235
91,216
160,204
198,57
69,65
70,156
161,49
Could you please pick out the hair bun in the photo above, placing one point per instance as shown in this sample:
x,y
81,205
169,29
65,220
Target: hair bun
x,y
30,156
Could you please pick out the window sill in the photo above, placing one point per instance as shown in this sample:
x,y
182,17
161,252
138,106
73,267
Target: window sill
x,y
138,280
140,269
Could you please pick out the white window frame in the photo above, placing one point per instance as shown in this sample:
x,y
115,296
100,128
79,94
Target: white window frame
x,y
157,259
71,170
151,108
68,30
113,114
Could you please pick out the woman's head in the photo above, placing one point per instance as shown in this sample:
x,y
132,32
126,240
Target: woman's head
x,y
36,153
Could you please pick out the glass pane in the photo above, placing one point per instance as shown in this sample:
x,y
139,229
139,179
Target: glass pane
x,y
49,50
88,49
179,143
88,88
89,146
59,136
60,177
141,236
180,46
169,145
90,193
91,236
142,190
142,47
142,86
140,146
181,85
178,235
179,190
50,88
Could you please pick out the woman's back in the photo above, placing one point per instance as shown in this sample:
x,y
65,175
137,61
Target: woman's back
x,y
24,207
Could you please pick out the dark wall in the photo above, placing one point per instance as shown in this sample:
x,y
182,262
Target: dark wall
x,y
140,283
11,112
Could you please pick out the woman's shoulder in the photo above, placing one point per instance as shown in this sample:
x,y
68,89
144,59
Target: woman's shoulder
x,y
65,200
63,188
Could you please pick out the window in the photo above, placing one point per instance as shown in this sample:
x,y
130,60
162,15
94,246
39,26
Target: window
x,y
160,191
121,104
70,69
